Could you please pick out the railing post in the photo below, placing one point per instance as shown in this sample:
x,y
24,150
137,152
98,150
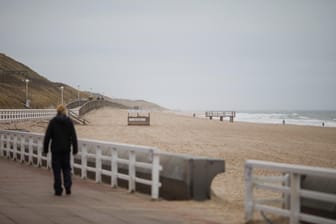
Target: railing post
x,y
98,164
83,162
39,152
131,170
155,176
248,192
294,198
22,148
8,145
72,171
285,197
2,145
15,147
114,168
30,146
49,160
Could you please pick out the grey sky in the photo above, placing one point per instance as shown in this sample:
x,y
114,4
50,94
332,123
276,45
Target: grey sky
x,y
190,55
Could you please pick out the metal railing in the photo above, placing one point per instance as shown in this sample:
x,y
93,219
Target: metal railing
x,y
27,148
74,116
290,188
96,104
76,103
17,115
91,105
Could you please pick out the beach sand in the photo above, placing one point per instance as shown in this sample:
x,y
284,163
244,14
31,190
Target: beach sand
x,y
232,142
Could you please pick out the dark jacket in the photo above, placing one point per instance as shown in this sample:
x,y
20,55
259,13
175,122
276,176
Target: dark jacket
x,y
62,134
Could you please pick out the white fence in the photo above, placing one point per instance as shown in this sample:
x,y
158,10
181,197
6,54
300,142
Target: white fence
x,y
289,187
17,115
27,147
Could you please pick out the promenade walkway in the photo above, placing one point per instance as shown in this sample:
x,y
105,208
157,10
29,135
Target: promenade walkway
x,y
26,196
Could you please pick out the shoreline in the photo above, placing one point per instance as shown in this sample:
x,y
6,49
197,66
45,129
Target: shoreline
x,y
258,119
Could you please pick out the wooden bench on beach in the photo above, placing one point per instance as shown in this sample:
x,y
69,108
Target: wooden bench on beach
x,y
221,114
138,117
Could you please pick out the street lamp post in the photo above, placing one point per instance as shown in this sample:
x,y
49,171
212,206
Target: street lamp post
x,y
62,88
27,81
78,92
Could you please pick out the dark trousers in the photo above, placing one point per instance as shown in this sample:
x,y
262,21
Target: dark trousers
x,y
61,165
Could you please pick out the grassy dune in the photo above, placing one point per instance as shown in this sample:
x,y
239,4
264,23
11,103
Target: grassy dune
x,y
42,92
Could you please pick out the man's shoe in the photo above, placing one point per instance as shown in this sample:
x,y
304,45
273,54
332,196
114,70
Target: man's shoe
x,y
68,192
58,193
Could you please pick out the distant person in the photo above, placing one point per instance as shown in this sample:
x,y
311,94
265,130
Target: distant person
x,y
283,122
62,134
322,124
194,115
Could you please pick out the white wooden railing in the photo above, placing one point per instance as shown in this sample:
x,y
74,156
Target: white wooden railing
x,y
17,115
289,187
27,148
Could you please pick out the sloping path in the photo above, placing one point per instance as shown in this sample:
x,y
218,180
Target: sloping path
x,y
26,196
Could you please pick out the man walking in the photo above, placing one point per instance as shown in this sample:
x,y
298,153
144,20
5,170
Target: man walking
x,y
62,134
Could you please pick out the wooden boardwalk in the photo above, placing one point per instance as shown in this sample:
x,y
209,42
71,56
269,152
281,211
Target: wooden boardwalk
x,y
26,196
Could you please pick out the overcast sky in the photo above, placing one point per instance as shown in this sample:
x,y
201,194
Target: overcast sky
x,y
188,55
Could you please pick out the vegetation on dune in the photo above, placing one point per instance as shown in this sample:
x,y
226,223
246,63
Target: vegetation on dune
x,y
43,93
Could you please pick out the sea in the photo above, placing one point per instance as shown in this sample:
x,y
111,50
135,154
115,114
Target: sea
x,y
306,118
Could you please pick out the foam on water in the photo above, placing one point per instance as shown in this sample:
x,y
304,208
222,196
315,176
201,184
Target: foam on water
x,y
306,118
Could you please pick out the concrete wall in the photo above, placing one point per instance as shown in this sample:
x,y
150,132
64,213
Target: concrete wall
x,y
311,206
187,177
183,177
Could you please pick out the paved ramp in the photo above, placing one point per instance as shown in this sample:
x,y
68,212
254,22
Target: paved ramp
x,y
26,196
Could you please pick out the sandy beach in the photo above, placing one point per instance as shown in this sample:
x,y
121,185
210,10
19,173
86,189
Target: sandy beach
x,y
233,142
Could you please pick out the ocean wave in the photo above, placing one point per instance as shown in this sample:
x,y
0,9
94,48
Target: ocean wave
x,y
296,118
306,118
